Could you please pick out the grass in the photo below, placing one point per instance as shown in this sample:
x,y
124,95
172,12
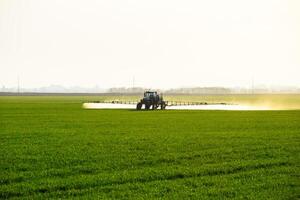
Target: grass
x,y
52,148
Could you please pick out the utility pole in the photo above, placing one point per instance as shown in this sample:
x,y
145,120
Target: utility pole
x,y
133,80
18,85
252,83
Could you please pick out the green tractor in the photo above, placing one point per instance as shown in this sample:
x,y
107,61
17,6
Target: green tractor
x,y
151,100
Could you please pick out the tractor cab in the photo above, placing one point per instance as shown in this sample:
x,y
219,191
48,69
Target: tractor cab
x,y
149,94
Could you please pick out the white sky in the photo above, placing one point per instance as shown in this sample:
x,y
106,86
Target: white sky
x,y
162,43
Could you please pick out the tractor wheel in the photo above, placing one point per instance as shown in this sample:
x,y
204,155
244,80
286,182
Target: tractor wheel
x,y
163,106
147,106
139,106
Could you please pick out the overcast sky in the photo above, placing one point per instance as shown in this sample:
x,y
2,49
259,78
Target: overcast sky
x,y
162,43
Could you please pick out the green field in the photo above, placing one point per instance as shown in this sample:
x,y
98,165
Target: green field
x,y
52,148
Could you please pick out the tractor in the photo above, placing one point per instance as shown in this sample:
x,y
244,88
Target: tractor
x,y
151,100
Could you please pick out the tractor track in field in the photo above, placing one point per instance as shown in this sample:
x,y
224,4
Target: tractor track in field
x,y
170,177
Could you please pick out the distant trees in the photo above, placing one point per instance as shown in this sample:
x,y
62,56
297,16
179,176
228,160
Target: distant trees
x,y
126,90
200,90
195,90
